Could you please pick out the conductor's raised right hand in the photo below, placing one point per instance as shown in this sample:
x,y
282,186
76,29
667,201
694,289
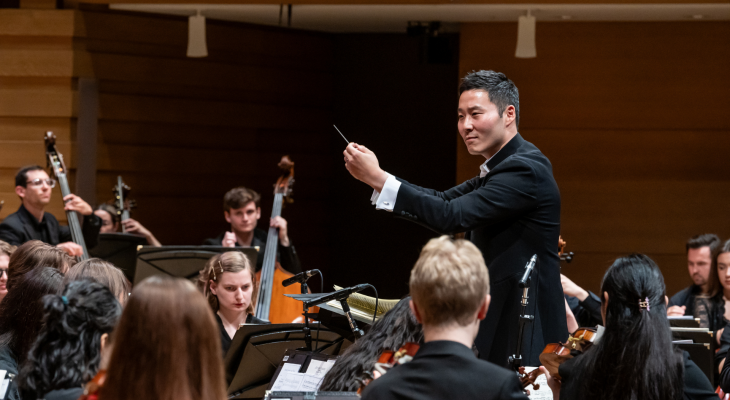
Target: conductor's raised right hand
x,y
363,165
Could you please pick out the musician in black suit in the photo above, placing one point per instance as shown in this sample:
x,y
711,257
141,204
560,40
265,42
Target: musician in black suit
x,y
242,209
510,212
31,222
449,296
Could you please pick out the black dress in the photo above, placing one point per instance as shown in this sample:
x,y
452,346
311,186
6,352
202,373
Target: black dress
x,y
225,339
696,384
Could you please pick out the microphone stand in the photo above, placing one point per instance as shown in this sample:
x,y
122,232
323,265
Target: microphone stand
x,y
515,360
353,325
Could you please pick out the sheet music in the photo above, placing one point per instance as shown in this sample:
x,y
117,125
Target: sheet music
x,y
544,393
291,380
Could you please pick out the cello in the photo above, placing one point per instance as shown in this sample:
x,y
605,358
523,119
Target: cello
x,y
58,168
271,304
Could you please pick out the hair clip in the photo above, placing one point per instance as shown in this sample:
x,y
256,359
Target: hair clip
x,y
221,265
645,304
64,300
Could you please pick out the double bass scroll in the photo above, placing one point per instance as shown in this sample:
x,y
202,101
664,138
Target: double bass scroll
x,y
58,169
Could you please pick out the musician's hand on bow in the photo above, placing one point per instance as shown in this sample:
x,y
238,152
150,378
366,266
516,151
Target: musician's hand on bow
x,y
280,223
76,203
229,240
553,383
571,289
71,248
363,166
676,311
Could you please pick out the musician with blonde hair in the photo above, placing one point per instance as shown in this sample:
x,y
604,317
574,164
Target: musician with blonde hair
x,y
228,281
449,297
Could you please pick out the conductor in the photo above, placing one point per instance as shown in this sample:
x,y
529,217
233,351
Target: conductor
x,y
510,212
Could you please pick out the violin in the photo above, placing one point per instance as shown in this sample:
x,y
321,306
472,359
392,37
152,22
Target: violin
x,y
388,360
555,354
91,390
567,257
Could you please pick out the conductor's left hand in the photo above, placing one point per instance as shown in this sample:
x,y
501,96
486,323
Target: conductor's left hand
x,y
363,165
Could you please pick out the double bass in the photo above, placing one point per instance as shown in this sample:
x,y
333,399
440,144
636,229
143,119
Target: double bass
x,y
58,169
122,203
271,304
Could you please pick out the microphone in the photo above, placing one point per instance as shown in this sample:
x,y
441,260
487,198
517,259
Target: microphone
x,y
300,277
339,295
528,271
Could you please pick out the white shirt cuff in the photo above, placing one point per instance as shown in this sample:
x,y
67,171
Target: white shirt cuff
x,y
385,200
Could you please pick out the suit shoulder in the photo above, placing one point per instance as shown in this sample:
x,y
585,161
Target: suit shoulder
x,y
13,219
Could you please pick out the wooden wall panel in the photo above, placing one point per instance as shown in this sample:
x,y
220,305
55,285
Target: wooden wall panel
x,y
36,94
634,119
183,131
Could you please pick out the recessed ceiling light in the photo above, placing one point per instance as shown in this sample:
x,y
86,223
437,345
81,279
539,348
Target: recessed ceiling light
x,y
698,16
566,16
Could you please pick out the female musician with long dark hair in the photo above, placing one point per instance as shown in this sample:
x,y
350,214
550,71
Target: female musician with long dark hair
x,y
68,350
397,327
635,357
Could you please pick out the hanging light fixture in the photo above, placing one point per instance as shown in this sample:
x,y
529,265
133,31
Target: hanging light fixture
x,y
526,37
196,36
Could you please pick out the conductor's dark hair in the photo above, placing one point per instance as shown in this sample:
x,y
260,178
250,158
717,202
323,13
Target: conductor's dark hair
x,y
708,239
67,352
21,311
636,348
21,177
397,327
502,91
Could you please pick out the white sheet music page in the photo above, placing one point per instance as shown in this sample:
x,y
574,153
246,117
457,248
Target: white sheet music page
x,y
544,393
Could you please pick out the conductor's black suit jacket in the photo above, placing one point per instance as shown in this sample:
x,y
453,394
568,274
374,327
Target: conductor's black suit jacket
x,y
510,214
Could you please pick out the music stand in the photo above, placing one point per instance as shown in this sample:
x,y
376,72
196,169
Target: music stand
x,y
257,350
119,249
181,261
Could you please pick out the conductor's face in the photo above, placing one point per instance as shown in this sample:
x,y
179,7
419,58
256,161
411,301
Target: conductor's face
x,y
481,127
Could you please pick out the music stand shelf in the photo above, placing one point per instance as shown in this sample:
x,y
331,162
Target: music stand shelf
x,y
181,261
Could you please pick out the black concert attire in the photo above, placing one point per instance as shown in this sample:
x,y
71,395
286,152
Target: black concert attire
x,y
720,355
9,363
225,339
64,394
443,370
287,256
510,212
21,226
587,312
710,310
696,384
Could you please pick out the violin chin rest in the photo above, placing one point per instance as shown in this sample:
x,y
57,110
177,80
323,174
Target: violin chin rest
x,y
552,362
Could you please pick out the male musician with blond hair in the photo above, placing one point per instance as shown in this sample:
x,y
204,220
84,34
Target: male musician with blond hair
x,y
449,297
31,222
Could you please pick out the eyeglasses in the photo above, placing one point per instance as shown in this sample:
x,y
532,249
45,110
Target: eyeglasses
x,y
3,271
39,182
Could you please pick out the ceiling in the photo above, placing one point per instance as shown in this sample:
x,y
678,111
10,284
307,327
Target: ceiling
x,y
394,18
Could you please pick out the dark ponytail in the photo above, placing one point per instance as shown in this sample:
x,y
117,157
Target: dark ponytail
x,y
67,352
635,358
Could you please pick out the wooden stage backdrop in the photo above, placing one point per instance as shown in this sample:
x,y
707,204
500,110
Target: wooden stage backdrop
x,y
635,120
633,116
